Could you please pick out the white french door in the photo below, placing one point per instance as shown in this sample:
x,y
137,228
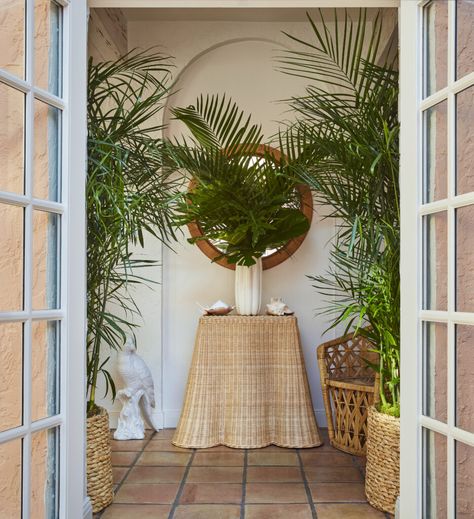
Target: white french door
x,y
437,181
42,258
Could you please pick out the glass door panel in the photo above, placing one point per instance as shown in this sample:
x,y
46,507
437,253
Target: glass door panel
x,y
44,474
436,45
11,454
11,375
45,369
11,263
435,475
12,134
435,376
464,476
12,38
465,41
47,154
436,159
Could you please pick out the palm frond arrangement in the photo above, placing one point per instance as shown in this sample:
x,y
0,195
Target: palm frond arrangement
x,y
129,189
242,196
344,144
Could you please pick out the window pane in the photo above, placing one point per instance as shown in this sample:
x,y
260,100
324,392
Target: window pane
x,y
435,353
44,366
436,45
465,41
44,474
10,479
464,258
464,377
465,139
464,481
435,160
45,260
11,259
434,475
11,375
47,45
12,37
47,151
436,259
12,108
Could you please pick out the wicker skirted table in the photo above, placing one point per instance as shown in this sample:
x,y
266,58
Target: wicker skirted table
x,y
247,386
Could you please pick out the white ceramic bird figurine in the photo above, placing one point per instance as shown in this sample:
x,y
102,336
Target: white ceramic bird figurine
x,y
137,377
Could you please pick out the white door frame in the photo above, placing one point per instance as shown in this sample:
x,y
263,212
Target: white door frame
x,y
410,475
77,505
71,210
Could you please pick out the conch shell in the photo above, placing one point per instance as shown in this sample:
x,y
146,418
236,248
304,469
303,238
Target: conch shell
x,y
278,307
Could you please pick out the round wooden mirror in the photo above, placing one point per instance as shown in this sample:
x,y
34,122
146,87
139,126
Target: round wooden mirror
x,y
271,258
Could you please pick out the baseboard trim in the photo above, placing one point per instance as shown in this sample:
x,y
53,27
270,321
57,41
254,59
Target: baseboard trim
x,y
87,509
169,418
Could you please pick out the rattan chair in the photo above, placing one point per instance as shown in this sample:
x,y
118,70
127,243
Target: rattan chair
x,y
350,387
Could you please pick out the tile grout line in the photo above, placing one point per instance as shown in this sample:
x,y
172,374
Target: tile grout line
x,y
129,469
181,486
244,485
306,486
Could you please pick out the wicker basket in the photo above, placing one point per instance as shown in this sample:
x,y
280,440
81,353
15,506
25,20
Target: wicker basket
x,y
349,387
99,461
382,479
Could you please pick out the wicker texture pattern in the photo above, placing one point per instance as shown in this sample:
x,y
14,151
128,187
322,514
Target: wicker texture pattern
x,y
382,480
349,389
99,462
247,386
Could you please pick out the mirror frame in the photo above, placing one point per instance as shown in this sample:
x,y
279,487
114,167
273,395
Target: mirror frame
x,y
277,257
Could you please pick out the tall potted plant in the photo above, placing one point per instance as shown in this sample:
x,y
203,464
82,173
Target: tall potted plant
x,y
129,189
345,145
241,195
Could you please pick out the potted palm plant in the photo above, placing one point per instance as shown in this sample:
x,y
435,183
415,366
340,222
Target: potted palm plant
x,y
128,193
241,195
345,146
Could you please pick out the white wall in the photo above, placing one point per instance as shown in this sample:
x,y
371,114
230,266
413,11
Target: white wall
x,y
235,57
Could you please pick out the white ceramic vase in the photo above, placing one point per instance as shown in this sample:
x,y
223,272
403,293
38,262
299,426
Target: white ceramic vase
x,y
248,288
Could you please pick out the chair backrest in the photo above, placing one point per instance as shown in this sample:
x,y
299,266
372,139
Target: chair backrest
x,y
345,358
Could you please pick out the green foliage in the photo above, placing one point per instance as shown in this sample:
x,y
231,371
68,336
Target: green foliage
x,y
129,190
244,202
345,146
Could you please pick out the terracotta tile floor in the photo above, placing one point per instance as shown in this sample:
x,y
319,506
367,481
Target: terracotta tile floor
x,y
155,480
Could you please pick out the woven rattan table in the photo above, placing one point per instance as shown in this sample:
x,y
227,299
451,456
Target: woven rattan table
x,y
247,386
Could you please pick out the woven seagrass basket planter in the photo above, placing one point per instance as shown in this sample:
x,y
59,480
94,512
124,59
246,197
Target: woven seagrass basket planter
x,y
382,478
99,461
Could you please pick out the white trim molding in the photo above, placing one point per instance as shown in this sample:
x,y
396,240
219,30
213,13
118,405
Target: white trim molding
x,y
244,4
73,482
410,505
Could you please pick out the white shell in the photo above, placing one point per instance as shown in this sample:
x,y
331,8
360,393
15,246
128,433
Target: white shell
x,y
218,308
278,307
218,304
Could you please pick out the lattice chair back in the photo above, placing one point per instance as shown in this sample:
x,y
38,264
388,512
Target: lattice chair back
x,y
346,358
350,387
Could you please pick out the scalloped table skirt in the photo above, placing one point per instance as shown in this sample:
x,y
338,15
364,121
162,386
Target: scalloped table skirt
x,y
247,386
